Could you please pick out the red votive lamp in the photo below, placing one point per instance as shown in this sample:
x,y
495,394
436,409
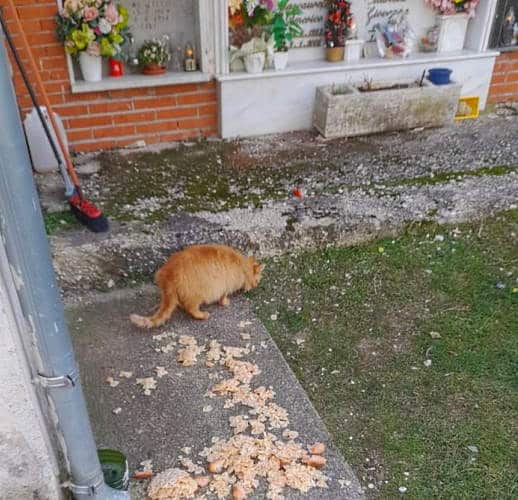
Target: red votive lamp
x,y
116,68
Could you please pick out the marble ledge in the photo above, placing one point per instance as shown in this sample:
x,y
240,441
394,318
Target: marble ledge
x,y
322,66
140,81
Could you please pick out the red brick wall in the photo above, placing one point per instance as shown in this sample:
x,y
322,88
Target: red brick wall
x,y
504,85
114,118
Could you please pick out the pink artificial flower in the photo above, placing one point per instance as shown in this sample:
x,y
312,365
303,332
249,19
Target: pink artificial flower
x,y
90,13
269,4
111,14
93,49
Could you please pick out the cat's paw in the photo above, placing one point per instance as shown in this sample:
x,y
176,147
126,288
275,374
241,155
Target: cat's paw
x,y
201,315
224,302
141,321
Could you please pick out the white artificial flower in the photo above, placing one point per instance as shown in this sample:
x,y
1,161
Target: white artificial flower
x,y
104,26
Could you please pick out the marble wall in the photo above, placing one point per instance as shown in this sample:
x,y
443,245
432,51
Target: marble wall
x,y
151,18
367,14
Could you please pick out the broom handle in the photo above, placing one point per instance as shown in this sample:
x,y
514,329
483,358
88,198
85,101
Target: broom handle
x,y
68,184
43,93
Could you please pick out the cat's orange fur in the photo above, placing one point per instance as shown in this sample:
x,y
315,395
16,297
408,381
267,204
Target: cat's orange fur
x,y
197,275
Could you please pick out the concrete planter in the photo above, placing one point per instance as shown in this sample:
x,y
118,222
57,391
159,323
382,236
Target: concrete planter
x,y
345,111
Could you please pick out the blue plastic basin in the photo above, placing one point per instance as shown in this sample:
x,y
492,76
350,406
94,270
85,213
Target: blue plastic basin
x,y
439,76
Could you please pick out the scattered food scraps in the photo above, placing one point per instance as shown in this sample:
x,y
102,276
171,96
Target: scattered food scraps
x,y
161,371
116,411
164,335
146,465
253,452
207,409
191,467
291,435
238,423
148,384
187,356
124,374
142,475
172,484
317,449
112,382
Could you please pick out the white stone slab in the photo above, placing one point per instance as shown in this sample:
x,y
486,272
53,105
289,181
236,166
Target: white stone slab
x,y
139,81
275,102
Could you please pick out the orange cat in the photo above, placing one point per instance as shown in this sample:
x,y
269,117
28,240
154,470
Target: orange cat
x,y
197,275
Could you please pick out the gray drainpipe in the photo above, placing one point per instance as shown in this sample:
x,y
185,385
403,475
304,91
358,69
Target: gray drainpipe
x,y
21,228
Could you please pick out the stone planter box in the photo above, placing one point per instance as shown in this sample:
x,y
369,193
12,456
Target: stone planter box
x,y
345,111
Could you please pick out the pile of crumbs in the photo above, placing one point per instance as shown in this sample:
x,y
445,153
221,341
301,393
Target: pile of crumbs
x,y
188,354
236,466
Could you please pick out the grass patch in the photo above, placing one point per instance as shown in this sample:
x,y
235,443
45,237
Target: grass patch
x,y
57,221
355,325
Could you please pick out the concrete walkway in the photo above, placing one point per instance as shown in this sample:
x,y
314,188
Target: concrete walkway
x,y
158,426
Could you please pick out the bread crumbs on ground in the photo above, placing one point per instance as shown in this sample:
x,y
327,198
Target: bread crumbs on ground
x,y
253,453
191,467
172,484
188,355
238,423
148,384
161,371
112,382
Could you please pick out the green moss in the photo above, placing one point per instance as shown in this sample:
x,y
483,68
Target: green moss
x,y
58,221
442,177
219,176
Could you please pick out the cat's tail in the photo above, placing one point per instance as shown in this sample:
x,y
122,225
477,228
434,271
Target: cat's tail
x,y
168,303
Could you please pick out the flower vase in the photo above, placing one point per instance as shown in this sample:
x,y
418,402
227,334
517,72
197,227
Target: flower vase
x,y
154,69
335,54
254,63
91,67
280,60
353,50
452,32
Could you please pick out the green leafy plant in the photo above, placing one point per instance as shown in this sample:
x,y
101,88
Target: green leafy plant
x,y
154,52
284,26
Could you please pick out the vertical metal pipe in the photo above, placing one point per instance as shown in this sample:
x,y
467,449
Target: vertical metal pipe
x,y
21,228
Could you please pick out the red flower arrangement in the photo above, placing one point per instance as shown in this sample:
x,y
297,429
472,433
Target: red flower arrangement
x,y
339,20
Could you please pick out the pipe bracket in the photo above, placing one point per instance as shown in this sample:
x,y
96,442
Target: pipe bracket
x,y
90,490
63,381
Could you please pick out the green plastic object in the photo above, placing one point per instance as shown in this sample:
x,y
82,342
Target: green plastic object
x,y
115,468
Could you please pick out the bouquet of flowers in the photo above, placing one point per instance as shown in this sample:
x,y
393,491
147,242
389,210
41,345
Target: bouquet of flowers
x,y
99,27
251,13
249,19
154,52
448,7
339,20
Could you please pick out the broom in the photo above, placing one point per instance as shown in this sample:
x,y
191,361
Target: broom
x,y
85,212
